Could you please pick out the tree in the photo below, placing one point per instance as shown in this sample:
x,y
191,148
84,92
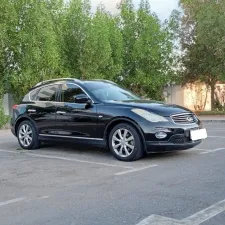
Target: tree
x,y
33,48
148,50
7,28
44,39
76,22
128,29
8,20
203,42
96,52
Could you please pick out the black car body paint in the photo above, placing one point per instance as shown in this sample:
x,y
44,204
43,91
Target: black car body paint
x,y
56,119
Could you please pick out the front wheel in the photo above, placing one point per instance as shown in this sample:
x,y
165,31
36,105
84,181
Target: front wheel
x,y
27,135
125,142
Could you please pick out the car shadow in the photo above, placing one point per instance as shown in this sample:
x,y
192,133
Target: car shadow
x,y
102,152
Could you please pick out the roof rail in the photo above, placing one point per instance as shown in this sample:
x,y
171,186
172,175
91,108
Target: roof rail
x,y
109,81
52,80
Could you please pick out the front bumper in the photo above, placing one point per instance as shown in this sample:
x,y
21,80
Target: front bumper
x,y
178,136
178,142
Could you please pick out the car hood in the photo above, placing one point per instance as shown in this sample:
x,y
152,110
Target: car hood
x,y
159,108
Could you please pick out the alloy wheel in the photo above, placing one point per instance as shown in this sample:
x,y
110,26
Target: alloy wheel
x,y
25,135
123,142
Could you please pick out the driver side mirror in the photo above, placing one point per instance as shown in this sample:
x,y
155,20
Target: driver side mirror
x,y
82,99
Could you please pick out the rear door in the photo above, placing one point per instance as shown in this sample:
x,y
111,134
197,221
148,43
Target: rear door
x,y
43,108
75,120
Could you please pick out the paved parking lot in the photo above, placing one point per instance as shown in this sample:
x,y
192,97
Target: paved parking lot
x,y
73,185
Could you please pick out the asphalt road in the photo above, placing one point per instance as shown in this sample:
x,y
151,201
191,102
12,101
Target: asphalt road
x,y
70,185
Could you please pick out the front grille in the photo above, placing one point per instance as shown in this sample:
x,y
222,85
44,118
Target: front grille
x,y
178,140
185,118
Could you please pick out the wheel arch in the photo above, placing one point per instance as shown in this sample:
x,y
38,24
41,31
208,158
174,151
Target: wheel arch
x,y
20,120
119,120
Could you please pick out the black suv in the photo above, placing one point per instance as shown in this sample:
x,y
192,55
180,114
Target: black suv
x,y
99,112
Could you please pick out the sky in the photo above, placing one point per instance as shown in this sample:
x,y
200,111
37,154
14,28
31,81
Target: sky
x,y
162,8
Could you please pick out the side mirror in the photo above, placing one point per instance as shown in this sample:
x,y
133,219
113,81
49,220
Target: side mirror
x,y
89,102
82,99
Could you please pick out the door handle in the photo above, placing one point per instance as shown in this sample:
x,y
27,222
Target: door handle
x,y
60,112
31,110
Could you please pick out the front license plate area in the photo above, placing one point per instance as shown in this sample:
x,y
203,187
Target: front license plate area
x,y
198,134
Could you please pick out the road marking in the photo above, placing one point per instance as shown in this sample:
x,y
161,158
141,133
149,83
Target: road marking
x,y
196,219
67,159
134,170
36,198
44,197
211,151
215,129
11,201
24,199
160,220
216,136
199,149
206,214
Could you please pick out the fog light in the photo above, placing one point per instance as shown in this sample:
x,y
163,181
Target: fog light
x,y
161,135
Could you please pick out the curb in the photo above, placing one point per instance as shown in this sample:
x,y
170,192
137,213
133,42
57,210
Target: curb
x,y
212,121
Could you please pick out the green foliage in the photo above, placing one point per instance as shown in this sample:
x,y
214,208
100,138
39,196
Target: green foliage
x,y
3,118
148,66
44,39
203,41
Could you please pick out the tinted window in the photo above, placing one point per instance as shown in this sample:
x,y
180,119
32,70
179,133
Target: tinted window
x,y
26,98
69,92
47,93
33,95
105,91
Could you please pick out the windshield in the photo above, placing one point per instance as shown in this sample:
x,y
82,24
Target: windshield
x,y
110,92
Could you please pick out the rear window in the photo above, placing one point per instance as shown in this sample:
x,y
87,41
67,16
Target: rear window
x,y
26,98
47,93
33,94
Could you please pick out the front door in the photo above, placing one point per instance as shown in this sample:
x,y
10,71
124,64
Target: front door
x,y
75,120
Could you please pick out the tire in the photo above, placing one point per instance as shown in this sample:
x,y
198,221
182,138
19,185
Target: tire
x,y
27,135
129,148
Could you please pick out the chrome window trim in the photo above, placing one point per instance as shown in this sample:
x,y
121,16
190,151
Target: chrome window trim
x,y
57,79
84,138
58,83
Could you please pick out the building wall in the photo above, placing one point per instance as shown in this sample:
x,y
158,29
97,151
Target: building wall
x,y
174,95
8,104
196,97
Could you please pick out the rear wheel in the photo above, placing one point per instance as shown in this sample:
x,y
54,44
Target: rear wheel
x,y
125,142
27,135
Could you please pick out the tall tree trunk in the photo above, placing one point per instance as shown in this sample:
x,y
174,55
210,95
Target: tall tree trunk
x,y
212,95
206,97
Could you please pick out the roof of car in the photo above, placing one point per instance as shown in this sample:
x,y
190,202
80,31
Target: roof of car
x,y
45,82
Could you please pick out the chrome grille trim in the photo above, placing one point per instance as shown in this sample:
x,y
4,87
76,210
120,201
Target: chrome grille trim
x,y
182,118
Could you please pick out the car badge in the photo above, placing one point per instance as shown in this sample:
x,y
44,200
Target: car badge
x,y
190,119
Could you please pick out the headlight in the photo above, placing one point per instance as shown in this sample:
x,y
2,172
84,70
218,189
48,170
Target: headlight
x,y
152,117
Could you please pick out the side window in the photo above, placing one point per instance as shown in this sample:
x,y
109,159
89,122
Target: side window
x,y
26,98
33,94
69,92
47,93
